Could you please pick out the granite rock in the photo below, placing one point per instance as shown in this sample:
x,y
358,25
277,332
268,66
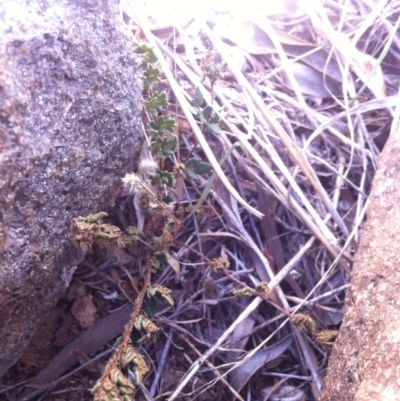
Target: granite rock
x,y
70,118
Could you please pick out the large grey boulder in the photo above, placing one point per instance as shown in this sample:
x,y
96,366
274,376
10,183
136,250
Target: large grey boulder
x,y
69,129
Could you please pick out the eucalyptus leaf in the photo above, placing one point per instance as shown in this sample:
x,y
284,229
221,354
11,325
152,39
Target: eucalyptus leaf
x,y
242,374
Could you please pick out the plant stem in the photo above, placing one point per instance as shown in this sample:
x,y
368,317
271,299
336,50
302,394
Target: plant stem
x,y
113,362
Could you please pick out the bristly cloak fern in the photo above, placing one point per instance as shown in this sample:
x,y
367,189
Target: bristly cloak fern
x,y
126,367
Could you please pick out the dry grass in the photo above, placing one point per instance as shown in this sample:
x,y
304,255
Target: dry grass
x,y
307,105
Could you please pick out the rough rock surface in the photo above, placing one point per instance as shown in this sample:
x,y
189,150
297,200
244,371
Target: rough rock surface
x,y
69,129
365,361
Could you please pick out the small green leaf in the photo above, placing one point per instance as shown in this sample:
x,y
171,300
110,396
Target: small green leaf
x,y
161,126
167,198
214,119
149,307
191,162
191,174
164,177
153,128
163,147
156,102
159,260
211,120
214,128
156,148
202,168
170,124
194,166
148,52
198,98
157,290
206,113
153,74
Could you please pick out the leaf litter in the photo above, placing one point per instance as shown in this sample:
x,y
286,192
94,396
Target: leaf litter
x,y
306,105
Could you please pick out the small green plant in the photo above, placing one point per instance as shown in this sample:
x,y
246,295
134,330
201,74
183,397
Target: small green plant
x,y
149,185
207,115
211,64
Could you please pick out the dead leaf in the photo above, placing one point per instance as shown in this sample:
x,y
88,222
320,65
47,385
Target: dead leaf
x,y
87,342
84,311
240,337
175,266
133,280
210,288
83,358
311,82
242,374
122,256
289,39
62,332
284,393
332,318
248,36
361,63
